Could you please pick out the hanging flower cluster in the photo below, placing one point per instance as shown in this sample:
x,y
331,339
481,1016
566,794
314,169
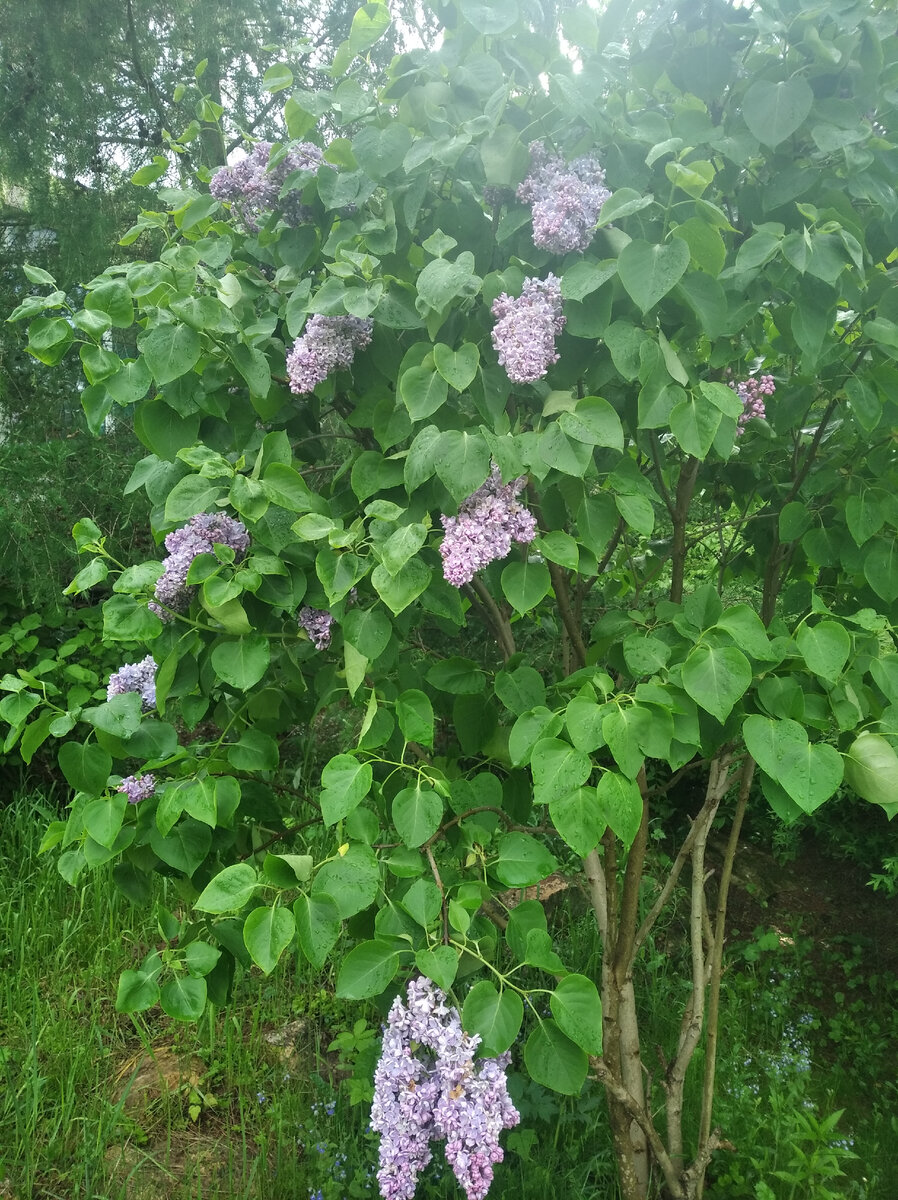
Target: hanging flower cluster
x,y
253,189
487,523
751,392
135,677
429,1087
565,199
326,344
137,789
526,328
317,623
199,536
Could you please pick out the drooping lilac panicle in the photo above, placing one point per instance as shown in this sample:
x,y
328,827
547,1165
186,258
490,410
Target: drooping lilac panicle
x,y
137,789
135,677
751,392
199,536
526,328
565,198
317,623
326,344
253,187
487,523
429,1087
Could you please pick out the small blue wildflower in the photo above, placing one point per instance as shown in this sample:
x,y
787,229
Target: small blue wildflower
x,y
262,1098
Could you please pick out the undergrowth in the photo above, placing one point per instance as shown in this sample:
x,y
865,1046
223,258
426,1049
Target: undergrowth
x,y
269,1099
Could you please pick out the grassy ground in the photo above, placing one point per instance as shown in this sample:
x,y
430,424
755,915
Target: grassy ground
x,y
249,1105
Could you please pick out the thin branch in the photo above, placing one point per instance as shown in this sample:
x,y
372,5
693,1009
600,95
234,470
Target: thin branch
x,y
587,585
439,882
644,1121
257,120
705,1136
563,600
685,488
278,837
662,486
509,823
498,622
629,907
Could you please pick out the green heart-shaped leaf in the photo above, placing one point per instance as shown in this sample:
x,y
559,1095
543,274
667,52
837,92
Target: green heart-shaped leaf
x,y
649,272
808,772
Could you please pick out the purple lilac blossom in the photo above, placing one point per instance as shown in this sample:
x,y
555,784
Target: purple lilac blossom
x,y
428,1087
751,392
137,789
135,677
526,328
317,623
326,344
254,189
487,523
566,199
199,536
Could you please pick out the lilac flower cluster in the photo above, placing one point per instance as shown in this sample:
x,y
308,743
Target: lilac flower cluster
x,y
199,536
137,789
565,199
428,1087
326,344
526,328
751,392
135,677
254,189
487,523
317,624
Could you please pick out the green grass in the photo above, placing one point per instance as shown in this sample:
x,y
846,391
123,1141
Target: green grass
x,y
83,1111
248,1104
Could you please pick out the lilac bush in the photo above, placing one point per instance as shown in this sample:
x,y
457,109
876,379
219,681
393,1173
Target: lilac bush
x,y
428,1087
253,187
566,199
135,677
199,536
487,523
326,344
526,328
317,624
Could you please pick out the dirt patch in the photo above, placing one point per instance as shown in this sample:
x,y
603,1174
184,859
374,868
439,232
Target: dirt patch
x,y
825,900
155,1074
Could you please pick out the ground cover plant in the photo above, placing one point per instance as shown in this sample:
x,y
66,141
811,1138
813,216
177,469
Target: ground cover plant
x,y
584,336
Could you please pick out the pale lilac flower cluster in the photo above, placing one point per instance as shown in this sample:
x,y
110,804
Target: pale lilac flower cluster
x,y
317,623
487,523
135,677
137,789
526,328
428,1087
199,536
326,344
254,189
751,392
566,199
